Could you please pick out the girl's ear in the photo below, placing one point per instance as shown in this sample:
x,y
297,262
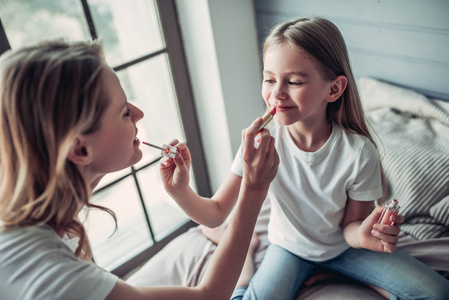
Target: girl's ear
x,y
337,88
80,153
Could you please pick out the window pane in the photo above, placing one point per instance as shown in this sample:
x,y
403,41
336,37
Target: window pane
x,y
132,235
27,22
149,86
129,29
111,177
165,214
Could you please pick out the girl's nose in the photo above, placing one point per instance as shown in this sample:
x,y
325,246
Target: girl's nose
x,y
278,91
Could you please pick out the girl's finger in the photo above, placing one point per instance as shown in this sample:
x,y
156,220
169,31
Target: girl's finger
x,y
389,247
375,215
184,151
391,239
387,229
398,219
173,142
166,161
178,160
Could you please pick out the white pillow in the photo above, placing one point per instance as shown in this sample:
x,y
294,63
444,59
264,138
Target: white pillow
x,y
412,134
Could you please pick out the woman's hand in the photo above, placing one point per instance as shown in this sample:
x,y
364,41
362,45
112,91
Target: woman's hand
x,y
260,163
175,171
377,237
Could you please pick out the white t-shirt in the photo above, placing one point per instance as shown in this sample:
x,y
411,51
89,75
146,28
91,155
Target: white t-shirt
x,y
310,191
36,264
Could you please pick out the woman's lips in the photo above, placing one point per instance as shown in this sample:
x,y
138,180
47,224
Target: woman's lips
x,y
136,140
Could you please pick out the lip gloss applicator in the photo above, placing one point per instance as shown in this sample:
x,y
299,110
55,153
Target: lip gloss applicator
x,y
166,150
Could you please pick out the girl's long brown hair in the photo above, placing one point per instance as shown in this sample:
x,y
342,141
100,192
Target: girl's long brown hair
x,y
321,39
49,94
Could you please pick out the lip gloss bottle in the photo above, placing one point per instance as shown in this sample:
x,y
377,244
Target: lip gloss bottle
x,y
166,150
390,208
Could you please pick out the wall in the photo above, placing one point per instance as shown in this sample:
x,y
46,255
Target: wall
x,y
220,41
401,41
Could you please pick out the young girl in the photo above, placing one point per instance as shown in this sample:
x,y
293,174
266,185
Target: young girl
x,y
65,123
329,177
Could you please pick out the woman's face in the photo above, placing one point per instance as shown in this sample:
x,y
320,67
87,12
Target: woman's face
x,y
115,145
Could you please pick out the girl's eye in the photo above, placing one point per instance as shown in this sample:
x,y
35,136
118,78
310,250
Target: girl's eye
x,y
294,83
269,81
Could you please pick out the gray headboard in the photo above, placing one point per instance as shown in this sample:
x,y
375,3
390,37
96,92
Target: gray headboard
x,y
402,42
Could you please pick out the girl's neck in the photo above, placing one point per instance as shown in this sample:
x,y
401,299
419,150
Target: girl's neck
x,y
310,137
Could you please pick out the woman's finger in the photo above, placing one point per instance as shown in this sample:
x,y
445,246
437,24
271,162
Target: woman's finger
x,y
264,141
249,134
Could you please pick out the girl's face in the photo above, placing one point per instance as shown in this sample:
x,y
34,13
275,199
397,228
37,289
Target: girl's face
x,y
115,145
292,83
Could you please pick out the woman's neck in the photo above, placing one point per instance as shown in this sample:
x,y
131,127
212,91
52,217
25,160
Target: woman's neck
x,y
93,184
59,232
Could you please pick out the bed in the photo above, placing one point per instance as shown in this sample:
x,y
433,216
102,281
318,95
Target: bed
x,y
412,133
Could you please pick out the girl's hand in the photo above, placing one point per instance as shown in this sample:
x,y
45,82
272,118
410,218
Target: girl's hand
x,y
175,171
260,163
377,237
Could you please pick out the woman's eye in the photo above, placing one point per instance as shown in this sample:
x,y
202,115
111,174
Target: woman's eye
x,y
127,113
269,81
294,83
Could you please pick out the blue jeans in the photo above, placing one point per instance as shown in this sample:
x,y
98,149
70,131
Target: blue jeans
x,y
282,273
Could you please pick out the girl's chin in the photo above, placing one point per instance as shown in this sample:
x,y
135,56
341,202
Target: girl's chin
x,y
284,121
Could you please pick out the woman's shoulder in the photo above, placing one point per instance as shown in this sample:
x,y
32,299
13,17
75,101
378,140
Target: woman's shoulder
x,y
36,256
25,232
29,240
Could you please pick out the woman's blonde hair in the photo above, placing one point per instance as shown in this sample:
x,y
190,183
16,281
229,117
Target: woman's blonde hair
x,y
49,94
321,39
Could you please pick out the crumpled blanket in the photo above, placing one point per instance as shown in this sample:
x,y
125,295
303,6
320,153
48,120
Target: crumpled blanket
x,y
412,134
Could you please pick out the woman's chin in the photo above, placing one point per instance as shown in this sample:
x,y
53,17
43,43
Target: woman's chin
x,y
137,158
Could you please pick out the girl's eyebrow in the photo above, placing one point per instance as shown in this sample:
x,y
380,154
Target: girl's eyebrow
x,y
298,73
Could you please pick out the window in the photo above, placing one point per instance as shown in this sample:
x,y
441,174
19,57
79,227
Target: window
x,y
142,43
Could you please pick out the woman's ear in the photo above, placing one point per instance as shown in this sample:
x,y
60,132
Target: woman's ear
x,y
337,88
80,153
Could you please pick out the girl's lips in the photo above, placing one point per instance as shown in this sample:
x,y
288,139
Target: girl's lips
x,y
283,108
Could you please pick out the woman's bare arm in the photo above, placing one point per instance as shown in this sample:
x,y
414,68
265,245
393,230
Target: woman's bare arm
x,y
259,169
